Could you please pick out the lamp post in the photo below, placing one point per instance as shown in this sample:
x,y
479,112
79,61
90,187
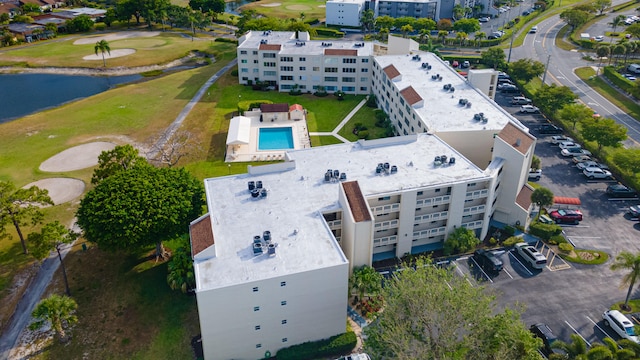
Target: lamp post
x,y
510,47
546,67
239,97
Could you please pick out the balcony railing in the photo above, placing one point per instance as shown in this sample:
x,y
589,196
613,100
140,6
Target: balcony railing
x,y
385,209
473,224
431,217
477,194
429,232
474,210
438,200
335,224
387,240
383,225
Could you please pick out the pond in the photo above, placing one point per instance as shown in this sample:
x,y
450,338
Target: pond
x,y
232,7
24,94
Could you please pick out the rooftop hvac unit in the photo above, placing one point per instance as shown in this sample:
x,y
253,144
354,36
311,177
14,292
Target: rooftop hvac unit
x,y
394,169
437,161
452,89
266,235
336,173
468,104
257,249
271,249
443,158
343,176
263,193
446,86
462,102
259,184
252,185
256,239
327,176
255,193
452,160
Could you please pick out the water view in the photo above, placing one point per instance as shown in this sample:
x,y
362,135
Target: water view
x,y
24,94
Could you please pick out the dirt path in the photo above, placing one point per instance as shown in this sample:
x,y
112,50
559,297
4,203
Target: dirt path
x,y
22,314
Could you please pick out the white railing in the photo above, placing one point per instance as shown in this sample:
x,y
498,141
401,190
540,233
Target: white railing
x,y
383,225
473,224
431,217
387,240
474,210
434,200
477,194
385,209
429,232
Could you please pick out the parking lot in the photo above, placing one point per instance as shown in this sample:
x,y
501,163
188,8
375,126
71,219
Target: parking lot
x,y
572,299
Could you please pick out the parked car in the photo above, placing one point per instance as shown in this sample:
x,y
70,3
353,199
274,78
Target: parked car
x,y
488,261
557,139
599,38
484,19
533,30
506,84
629,77
596,173
591,164
520,100
566,216
549,129
543,332
535,174
568,144
581,158
529,109
575,151
619,323
455,63
634,211
621,191
465,64
531,255
526,12
510,89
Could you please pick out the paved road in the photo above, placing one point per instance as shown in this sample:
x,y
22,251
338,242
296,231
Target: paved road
x,y
561,68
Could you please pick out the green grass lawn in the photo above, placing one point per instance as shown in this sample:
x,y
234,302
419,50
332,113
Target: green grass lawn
x,y
366,117
312,9
154,50
324,140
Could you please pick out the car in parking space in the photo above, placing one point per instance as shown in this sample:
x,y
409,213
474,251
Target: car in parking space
x,y
533,30
520,100
510,89
506,84
465,64
543,331
621,324
504,81
549,129
526,12
529,109
596,173
634,211
488,261
568,144
557,139
580,158
535,174
620,191
629,77
573,151
566,216
590,163
531,255
599,38
484,19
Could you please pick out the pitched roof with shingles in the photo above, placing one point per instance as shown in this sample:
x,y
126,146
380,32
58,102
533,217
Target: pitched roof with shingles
x,y
357,202
274,108
524,197
391,72
271,47
296,107
201,235
411,95
517,138
341,52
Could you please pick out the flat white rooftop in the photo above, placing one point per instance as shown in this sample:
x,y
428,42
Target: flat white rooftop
x,y
441,111
298,195
293,46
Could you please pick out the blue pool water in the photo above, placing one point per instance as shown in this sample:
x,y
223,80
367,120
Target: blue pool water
x,y
275,138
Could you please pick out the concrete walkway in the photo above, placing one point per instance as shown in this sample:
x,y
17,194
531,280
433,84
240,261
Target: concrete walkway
x,y
344,121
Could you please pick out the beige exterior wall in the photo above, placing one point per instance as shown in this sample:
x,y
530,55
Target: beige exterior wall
x,y
357,237
474,145
485,80
315,309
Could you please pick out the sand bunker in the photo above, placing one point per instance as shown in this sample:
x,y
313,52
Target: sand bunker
x,y
61,190
298,7
116,36
111,55
271,5
77,157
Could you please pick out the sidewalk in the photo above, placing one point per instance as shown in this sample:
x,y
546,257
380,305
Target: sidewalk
x,y
339,127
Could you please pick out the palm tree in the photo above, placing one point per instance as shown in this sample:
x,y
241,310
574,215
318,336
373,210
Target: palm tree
x,y
458,12
602,51
627,261
302,16
57,310
618,50
181,274
576,349
368,20
478,36
432,48
542,197
461,36
423,34
102,46
615,22
442,35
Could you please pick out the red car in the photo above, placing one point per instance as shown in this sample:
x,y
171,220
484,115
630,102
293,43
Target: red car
x,y
566,216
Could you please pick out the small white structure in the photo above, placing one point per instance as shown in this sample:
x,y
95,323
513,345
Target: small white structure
x,y
239,131
296,112
344,12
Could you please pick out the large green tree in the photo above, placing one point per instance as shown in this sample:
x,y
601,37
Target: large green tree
x,y
552,98
634,30
604,131
460,240
628,159
365,281
368,21
542,197
81,23
56,310
602,5
630,263
120,158
21,207
217,6
140,207
51,237
467,25
574,18
526,69
494,57
575,113
181,274
430,313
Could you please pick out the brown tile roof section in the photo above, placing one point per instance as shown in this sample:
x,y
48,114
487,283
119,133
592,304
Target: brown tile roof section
x,y
391,72
511,133
296,107
341,52
357,203
272,47
7,7
201,235
274,108
524,197
411,95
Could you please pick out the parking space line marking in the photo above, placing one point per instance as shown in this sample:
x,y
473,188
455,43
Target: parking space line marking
x,y
479,267
576,331
505,270
449,286
463,274
601,329
520,262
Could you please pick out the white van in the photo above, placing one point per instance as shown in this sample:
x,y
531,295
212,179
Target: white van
x,y
620,324
634,68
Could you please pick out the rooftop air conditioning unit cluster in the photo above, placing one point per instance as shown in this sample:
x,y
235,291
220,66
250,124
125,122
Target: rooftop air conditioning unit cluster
x,y
327,44
300,43
442,160
426,66
257,190
416,57
334,175
263,244
436,77
264,41
266,33
359,44
386,169
463,102
449,88
480,117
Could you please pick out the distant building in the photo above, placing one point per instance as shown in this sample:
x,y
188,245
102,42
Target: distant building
x,y
344,12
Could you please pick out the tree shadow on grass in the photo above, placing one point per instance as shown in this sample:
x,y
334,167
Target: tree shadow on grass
x,y
217,147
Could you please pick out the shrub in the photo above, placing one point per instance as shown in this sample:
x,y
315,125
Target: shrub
x,y
557,239
565,247
335,345
512,241
509,230
234,72
544,231
493,241
371,101
461,240
364,134
329,32
232,41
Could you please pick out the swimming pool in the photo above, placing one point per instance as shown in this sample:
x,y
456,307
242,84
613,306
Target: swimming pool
x,y
277,138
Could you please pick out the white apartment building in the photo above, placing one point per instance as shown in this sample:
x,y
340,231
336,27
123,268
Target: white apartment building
x,y
273,255
344,12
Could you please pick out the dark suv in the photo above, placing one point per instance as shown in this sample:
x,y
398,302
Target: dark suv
x,y
488,261
549,129
621,191
543,332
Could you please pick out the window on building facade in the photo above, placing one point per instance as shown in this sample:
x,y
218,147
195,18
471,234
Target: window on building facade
x,y
303,68
286,68
255,52
269,73
255,61
258,346
302,59
257,327
331,70
269,55
349,61
286,77
269,64
255,289
363,88
364,70
284,322
330,78
283,283
348,70
348,79
243,52
243,61
365,60
316,68
284,340
286,59
244,70
283,303
256,308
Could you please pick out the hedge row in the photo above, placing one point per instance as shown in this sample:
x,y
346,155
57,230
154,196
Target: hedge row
x,y
334,346
225,40
329,32
544,231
